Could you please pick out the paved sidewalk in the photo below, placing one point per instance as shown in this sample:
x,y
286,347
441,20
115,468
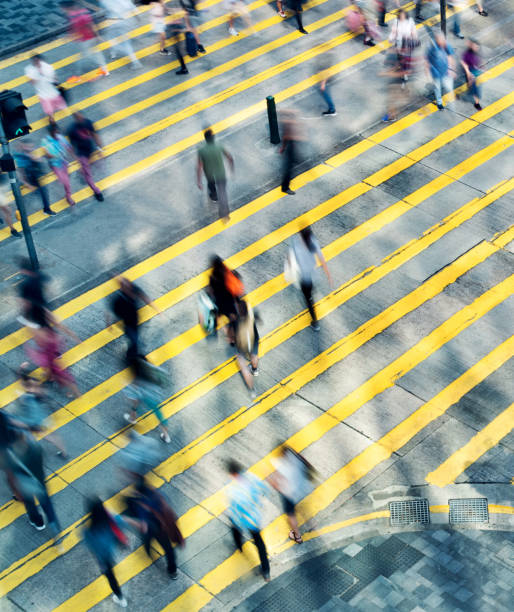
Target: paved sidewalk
x,y
443,570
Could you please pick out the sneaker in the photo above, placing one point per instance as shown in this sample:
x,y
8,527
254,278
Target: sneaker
x,y
266,576
15,233
329,113
49,212
303,31
232,31
164,52
315,326
39,524
182,71
385,117
103,72
253,371
165,437
281,14
253,394
459,35
129,419
173,575
99,196
483,13
74,79
369,43
121,601
419,18
440,107
201,48
477,106
288,191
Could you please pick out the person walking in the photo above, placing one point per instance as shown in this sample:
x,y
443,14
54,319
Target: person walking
x,y
225,287
210,162
158,522
31,172
5,212
58,152
83,30
102,535
244,510
158,14
471,62
292,480
395,73
124,305
85,141
440,67
120,11
247,343
291,143
178,23
235,9
42,76
307,253
327,59
458,6
30,290
296,5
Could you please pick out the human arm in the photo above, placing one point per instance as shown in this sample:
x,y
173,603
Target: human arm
x,y
323,264
199,170
229,158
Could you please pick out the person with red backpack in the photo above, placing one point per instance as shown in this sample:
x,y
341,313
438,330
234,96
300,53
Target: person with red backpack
x,y
84,32
225,287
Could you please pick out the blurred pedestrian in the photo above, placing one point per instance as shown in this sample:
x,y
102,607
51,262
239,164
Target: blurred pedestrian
x,y
176,29
30,290
210,162
158,16
48,346
42,76
146,390
307,253
361,17
404,37
58,152
296,6
103,533
244,510
458,7
139,456
83,30
291,143
247,343
225,287
291,479
124,305
85,141
394,73
236,8
5,212
471,62
158,522
8,435
440,67
280,8
326,60
382,10
120,11
31,172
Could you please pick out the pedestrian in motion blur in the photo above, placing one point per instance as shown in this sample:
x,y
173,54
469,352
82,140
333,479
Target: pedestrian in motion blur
x,y
440,66
85,141
225,287
58,152
244,509
102,535
31,171
157,522
307,253
158,16
327,59
124,305
247,343
236,8
120,11
42,76
210,162
30,290
291,143
5,213
291,479
471,62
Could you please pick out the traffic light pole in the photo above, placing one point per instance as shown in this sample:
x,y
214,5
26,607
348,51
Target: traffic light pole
x,y
8,161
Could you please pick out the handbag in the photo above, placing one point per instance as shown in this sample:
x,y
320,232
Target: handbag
x,y
292,269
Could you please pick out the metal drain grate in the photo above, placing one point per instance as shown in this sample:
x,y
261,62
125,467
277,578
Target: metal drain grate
x,y
472,510
408,512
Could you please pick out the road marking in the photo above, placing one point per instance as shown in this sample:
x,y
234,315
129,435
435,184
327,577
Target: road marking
x,y
103,290
234,567
479,444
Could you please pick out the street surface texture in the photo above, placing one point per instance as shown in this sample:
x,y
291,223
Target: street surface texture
x,y
406,391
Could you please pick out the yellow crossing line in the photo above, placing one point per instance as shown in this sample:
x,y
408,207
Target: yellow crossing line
x,y
204,512
105,449
479,444
236,118
103,290
198,595
103,46
171,65
33,562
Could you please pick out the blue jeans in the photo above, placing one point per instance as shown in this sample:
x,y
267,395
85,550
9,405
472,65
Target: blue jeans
x,y
328,99
456,24
474,88
442,85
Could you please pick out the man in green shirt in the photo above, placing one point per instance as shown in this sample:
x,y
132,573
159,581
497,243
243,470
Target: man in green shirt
x,y
210,161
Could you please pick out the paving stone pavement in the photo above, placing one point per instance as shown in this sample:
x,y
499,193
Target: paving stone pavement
x,y
27,22
443,570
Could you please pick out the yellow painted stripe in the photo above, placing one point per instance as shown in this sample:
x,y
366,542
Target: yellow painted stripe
x,y
105,449
231,569
73,306
161,156
178,462
500,509
479,444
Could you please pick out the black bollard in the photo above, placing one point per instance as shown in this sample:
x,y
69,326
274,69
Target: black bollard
x,y
274,135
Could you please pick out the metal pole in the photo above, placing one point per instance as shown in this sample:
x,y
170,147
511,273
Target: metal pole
x,y
443,15
272,120
11,171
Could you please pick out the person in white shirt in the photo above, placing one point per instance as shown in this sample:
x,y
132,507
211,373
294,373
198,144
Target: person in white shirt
x,y
119,11
42,76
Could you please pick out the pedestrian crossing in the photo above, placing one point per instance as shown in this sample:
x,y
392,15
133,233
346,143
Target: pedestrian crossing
x,y
377,297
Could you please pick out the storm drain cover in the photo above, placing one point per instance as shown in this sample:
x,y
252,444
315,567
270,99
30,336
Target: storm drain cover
x,y
472,510
408,512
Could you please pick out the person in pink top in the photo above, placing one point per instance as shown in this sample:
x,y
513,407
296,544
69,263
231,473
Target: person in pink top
x,y
83,30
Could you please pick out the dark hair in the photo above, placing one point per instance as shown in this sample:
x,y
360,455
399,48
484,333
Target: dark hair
x,y
218,268
233,467
36,56
209,135
307,237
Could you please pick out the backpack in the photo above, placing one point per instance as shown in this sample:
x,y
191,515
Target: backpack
x,y
234,284
207,312
191,44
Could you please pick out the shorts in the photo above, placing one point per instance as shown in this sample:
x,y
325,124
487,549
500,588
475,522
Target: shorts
x,y
50,105
287,505
159,27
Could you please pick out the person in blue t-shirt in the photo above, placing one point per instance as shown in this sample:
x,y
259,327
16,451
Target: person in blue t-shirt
x,y
441,67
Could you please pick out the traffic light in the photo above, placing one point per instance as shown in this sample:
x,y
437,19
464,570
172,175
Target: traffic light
x,y
12,113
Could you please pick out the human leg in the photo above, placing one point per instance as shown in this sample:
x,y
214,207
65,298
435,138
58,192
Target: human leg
x,y
180,58
447,87
35,517
238,538
113,583
132,334
263,554
438,92
85,169
328,99
164,541
211,188
306,287
221,188
297,7
61,173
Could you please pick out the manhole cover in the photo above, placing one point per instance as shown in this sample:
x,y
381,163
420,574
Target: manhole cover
x,y
408,512
469,510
